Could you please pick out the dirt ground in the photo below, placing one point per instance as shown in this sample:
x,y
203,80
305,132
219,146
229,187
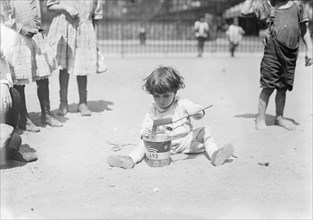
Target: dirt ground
x,y
71,179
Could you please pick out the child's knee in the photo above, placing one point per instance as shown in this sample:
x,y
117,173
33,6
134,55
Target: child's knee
x,y
204,133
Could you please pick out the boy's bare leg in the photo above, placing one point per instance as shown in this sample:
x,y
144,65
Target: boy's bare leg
x,y
280,101
262,106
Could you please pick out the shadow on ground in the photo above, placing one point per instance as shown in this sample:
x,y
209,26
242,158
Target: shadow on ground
x,y
270,119
94,106
9,164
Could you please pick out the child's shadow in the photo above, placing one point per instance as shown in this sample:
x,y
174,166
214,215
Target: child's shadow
x,y
191,156
270,119
226,161
94,106
35,117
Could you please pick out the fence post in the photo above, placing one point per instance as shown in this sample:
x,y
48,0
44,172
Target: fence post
x,y
122,39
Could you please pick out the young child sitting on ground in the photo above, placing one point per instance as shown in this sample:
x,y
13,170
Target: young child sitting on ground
x,y
163,84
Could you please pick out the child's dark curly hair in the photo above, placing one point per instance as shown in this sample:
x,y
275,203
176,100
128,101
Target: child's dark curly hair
x,y
163,79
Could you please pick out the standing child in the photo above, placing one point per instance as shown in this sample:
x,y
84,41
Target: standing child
x,y
163,84
73,36
201,33
234,36
285,21
32,58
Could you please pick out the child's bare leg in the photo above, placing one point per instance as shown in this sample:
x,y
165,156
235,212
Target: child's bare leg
x,y
217,155
128,162
138,153
280,101
205,136
262,106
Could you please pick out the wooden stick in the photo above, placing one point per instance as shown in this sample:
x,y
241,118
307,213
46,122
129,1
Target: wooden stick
x,y
192,114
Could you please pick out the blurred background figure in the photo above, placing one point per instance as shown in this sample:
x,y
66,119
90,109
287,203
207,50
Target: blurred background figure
x,y
234,35
142,36
201,28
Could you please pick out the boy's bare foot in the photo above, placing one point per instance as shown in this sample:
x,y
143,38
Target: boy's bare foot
x,y
280,121
260,124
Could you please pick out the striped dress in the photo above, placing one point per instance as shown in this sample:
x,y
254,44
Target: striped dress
x,y
74,40
32,58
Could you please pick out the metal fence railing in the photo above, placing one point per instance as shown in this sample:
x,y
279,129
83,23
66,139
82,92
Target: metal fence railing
x,y
163,36
166,27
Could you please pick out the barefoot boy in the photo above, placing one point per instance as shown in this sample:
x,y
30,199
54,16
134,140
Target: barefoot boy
x,y
286,21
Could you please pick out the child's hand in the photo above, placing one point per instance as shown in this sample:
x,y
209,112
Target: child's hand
x,y
27,32
146,132
308,61
6,100
72,12
6,134
196,113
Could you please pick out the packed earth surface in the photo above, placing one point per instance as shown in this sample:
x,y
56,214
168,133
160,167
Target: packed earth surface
x,y
269,177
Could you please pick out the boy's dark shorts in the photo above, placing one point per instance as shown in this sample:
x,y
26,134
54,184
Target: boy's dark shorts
x,y
278,67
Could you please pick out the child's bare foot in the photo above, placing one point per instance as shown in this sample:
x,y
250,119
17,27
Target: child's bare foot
x,y
280,121
260,124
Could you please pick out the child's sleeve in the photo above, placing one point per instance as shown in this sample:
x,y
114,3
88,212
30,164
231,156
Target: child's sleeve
x,y
303,16
191,108
8,16
52,2
242,31
196,26
261,9
147,122
98,11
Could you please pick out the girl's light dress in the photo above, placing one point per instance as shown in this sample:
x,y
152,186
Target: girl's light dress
x,y
74,40
32,58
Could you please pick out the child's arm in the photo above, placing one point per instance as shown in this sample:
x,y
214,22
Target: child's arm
x,y
57,7
247,7
10,21
146,126
192,109
305,33
196,113
242,31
